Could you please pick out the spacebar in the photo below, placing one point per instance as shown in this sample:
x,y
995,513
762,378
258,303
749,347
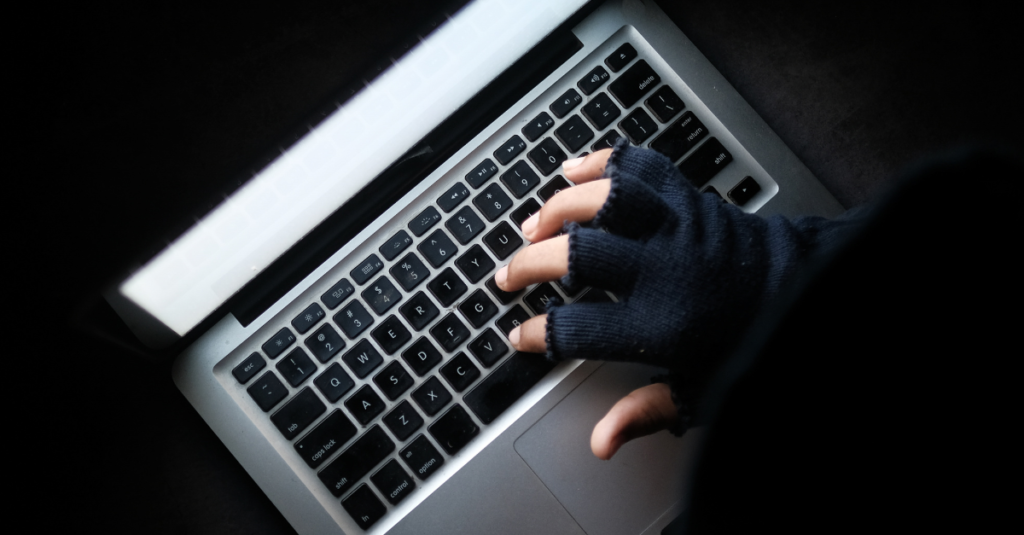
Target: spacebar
x,y
506,384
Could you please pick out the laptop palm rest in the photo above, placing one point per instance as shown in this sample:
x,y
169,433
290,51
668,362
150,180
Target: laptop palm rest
x,y
641,484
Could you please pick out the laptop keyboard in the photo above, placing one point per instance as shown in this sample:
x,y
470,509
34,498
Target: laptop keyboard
x,y
398,366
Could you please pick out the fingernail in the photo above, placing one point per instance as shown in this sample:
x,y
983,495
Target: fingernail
x,y
513,337
569,164
500,276
531,223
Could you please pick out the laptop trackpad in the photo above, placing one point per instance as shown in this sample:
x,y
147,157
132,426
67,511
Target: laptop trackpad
x,y
624,495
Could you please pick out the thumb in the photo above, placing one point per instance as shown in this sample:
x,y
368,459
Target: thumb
x,y
644,411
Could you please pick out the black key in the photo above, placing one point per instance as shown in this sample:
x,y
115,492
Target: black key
x,y
366,269
338,294
308,318
364,454
460,372
528,208
601,111
427,218
540,296
633,84
478,308
249,368
502,240
493,202
421,457
325,439
395,245
512,319
520,179
664,103
447,287
638,126
488,348
507,383
419,311
565,103
454,430
481,173
710,190
393,482
362,358
393,380
475,264
296,367
267,391
403,420
381,295
353,319
744,191
536,128
552,187
593,80
410,272
502,296
595,296
679,138
431,396
453,197
607,141
705,162
324,343
509,150
621,57
465,225
278,343
449,332
391,335
298,413
422,356
437,248
546,156
574,133
364,507
365,405
334,382
566,290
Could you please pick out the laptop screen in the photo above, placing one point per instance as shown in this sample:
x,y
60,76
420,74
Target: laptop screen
x,y
237,240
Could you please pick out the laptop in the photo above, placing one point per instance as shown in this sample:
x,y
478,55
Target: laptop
x,y
336,319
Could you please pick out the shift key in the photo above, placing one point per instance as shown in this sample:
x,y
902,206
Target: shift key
x,y
355,462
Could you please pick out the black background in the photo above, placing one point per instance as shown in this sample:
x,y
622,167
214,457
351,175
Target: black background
x,y
137,114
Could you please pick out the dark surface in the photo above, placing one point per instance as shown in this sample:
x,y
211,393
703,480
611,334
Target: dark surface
x,y
139,112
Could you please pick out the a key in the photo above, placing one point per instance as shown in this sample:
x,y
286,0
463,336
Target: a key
x,y
460,372
621,57
664,103
308,318
298,413
502,296
267,391
419,311
352,464
488,348
553,186
334,382
454,430
744,191
391,335
634,83
364,507
353,319
465,225
506,384
705,162
447,287
512,319
325,343
393,482
437,248
296,367
593,80
638,126
574,133
403,420
509,150
325,439
395,245
366,269
278,343
520,179
679,138
381,295
422,223
528,208
478,308
547,156
503,241
362,358
421,457
475,264
453,197
539,297
365,405
431,396
409,272
565,103
248,368
393,380
536,128
607,141
449,332
492,202
601,111
481,173
421,356
338,294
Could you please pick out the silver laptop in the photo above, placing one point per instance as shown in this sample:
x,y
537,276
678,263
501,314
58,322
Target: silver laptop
x,y
379,393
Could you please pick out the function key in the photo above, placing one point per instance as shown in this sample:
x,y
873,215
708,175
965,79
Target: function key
x,y
248,368
601,111
365,405
507,383
552,187
565,103
395,245
325,342
454,430
528,208
512,319
679,138
460,372
325,439
393,380
308,318
362,359
593,80
410,272
664,103
364,507
501,295
547,156
421,457
536,128
449,332
574,133
393,482
638,126
296,367
705,162
391,335
453,197
540,296
403,420
437,248
478,308
278,343
520,179
492,201
481,173
334,382
447,287
475,264
503,241
427,218
621,57
382,295
465,225
353,319
431,396
488,348
338,294
419,311
355,462
744,191
366,269
267,391
509,150
298,413
633,84
421,356
607,141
